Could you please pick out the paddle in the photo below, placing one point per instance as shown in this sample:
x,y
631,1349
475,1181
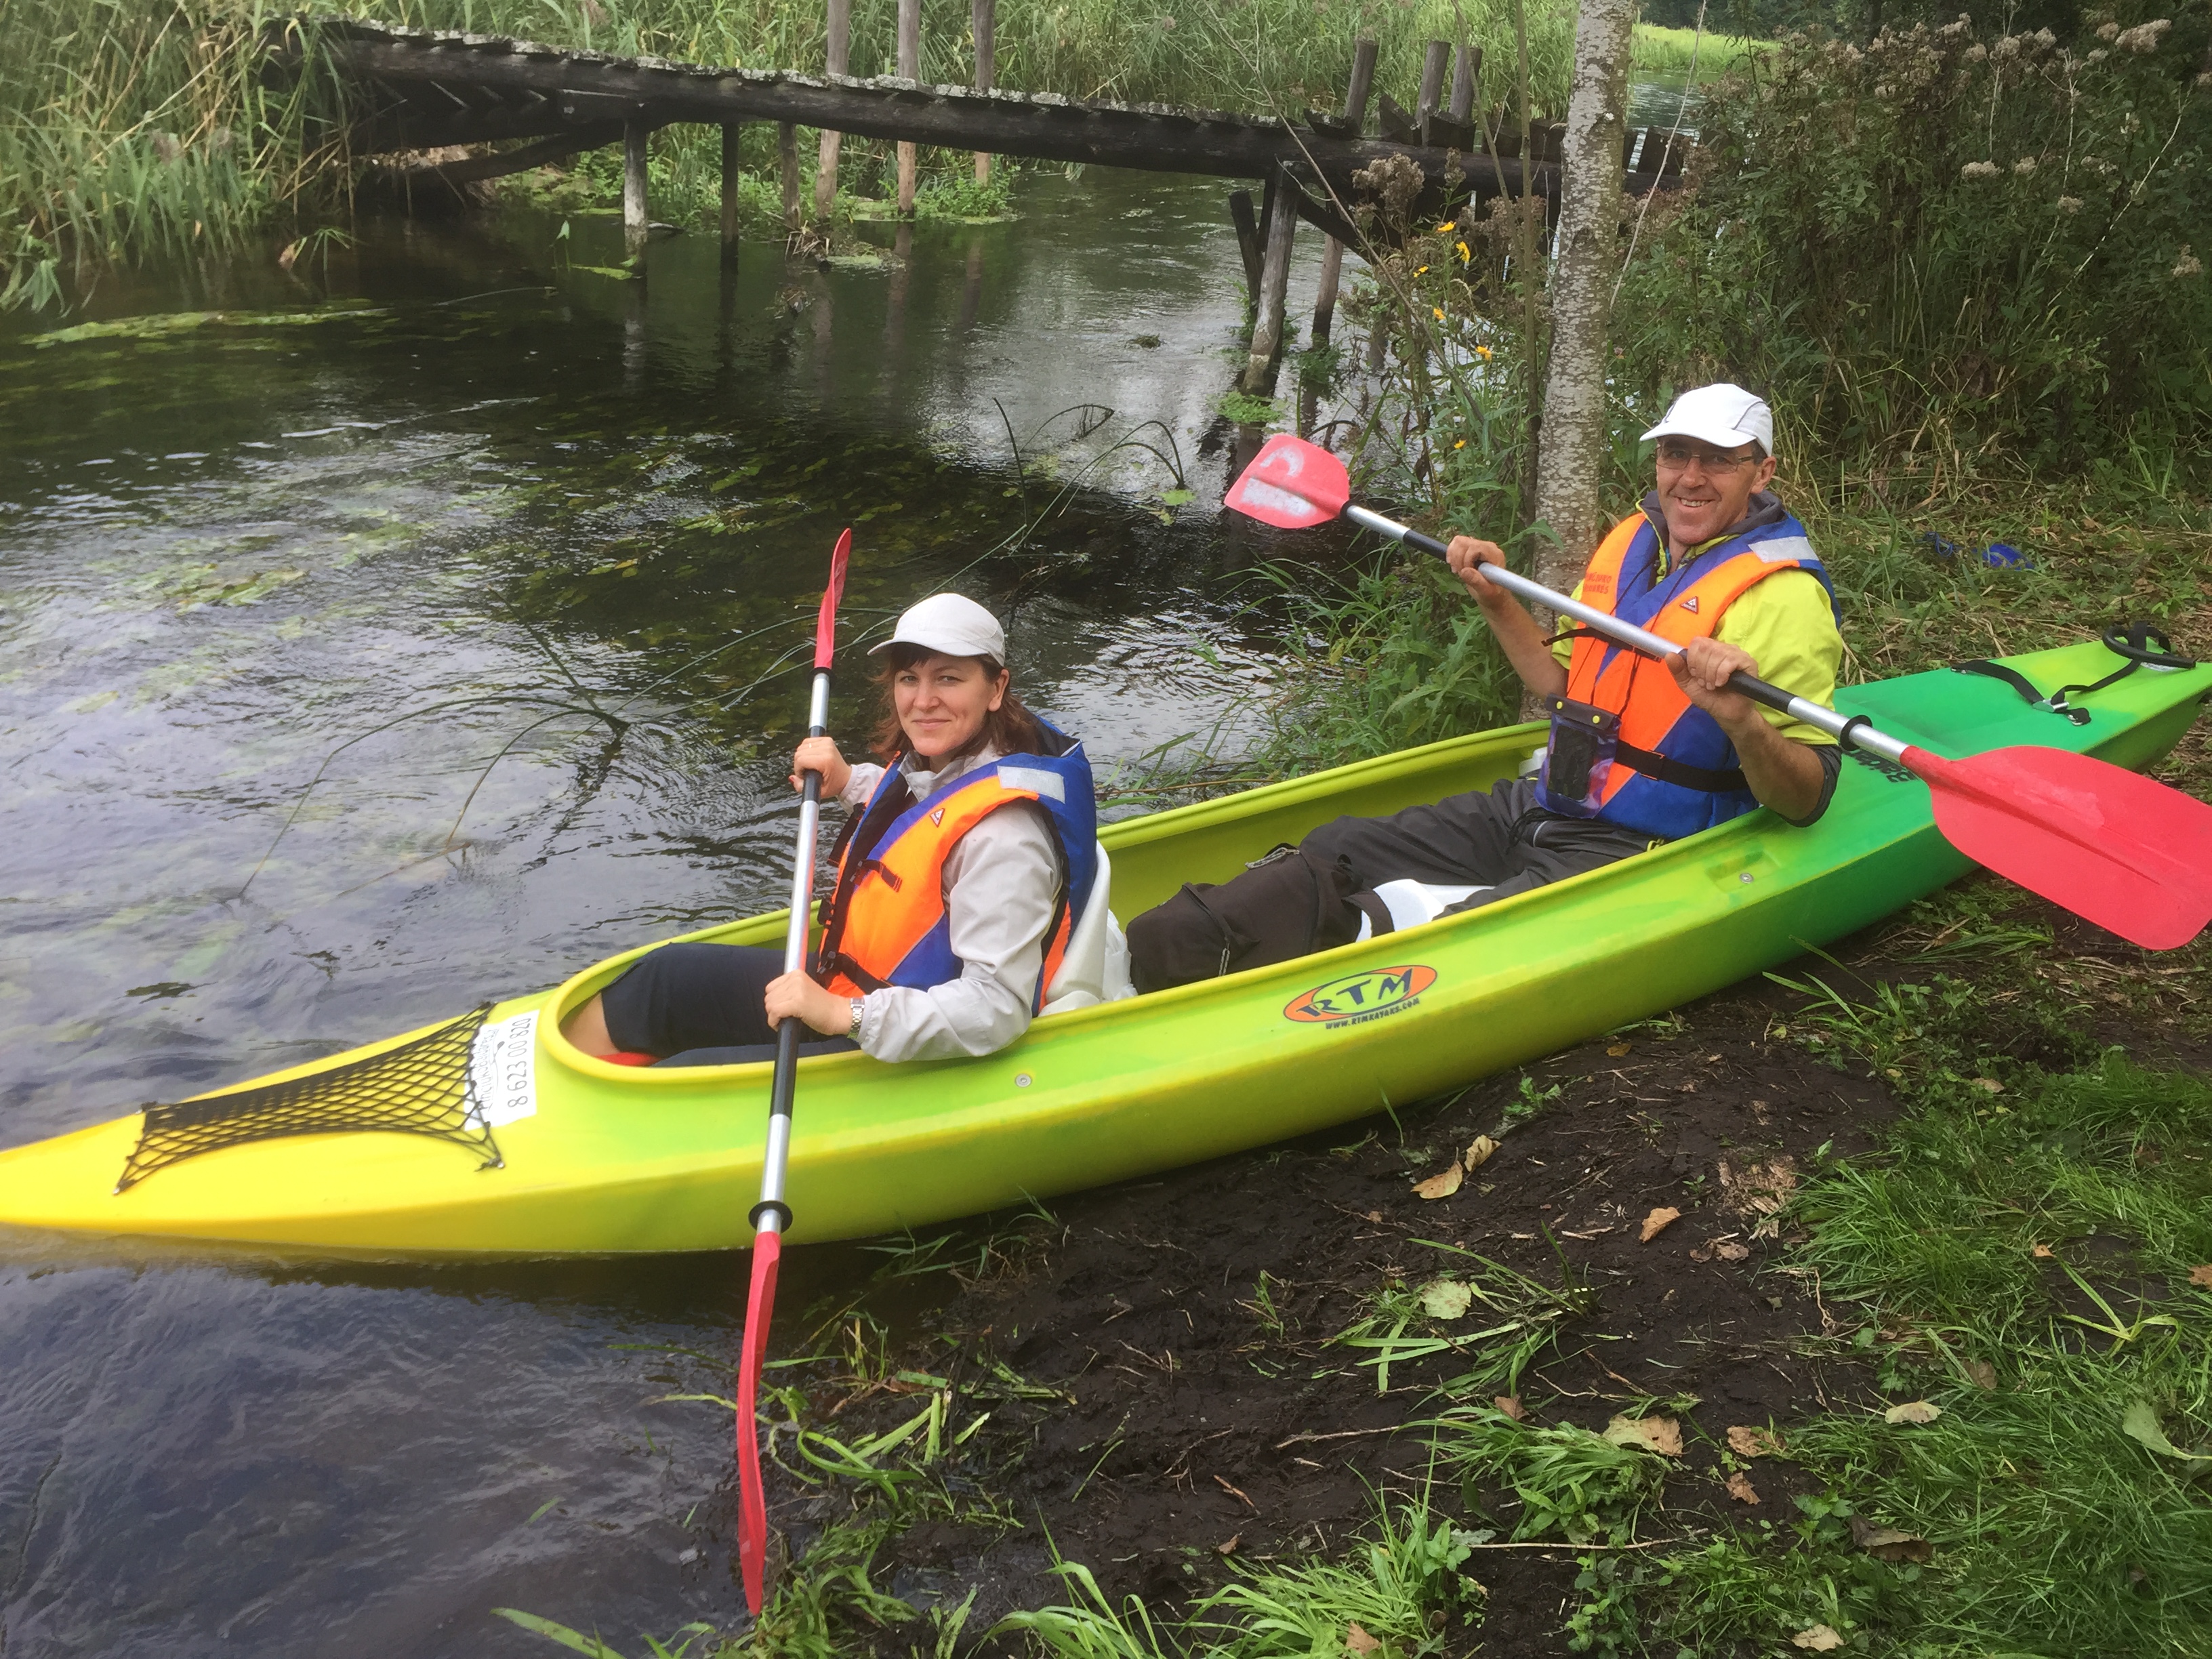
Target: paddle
x,y
772,1215
2126,852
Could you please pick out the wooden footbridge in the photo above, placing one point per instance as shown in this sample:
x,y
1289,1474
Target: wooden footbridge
x,y
412,90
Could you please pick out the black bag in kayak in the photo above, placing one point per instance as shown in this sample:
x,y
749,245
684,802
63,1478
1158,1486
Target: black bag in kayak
x,y
1290,903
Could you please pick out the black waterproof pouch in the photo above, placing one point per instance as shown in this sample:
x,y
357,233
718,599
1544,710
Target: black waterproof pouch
x,y
1579,759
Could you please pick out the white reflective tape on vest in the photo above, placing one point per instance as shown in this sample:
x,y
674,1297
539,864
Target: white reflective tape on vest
x,y
1036,781
1784,547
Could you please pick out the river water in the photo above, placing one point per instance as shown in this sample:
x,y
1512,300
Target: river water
x,y
490,505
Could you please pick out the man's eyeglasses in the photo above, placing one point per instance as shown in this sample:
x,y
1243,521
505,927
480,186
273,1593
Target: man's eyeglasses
x,y
1678,455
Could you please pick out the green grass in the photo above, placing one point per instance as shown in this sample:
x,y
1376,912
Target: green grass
x,y
1403,1587
2019,1253
1666,54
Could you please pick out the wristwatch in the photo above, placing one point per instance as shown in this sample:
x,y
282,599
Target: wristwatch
x,y
859,1008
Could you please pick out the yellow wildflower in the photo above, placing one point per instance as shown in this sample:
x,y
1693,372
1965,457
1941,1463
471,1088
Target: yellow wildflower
x,y
1465,256
1423,271
1483,352
1439,310
1461,444
1448,226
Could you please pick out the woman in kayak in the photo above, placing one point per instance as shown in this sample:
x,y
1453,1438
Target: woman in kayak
x,y
964,864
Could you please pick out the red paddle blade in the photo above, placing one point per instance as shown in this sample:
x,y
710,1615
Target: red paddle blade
x,y
2116,847
1291,484
752,1497
825,620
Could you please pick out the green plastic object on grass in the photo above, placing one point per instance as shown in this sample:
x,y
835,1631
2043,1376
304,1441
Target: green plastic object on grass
x,y
598,1158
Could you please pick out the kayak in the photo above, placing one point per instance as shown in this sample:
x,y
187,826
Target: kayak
x,y
489,1135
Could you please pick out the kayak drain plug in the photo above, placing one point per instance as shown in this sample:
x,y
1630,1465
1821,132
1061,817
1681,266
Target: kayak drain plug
x,y
1021,1079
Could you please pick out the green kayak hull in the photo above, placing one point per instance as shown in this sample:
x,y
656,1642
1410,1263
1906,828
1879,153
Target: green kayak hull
x,y
615,1159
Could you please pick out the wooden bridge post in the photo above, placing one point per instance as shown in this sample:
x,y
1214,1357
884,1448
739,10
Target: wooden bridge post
x,y
839,56
1432,84
1274,281
786,149
1332,254
731,133
1466,80
984,18
1248,239
636,223
909,69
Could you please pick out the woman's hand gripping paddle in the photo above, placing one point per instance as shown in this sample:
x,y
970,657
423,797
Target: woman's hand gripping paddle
x,y
772,1215
2126,852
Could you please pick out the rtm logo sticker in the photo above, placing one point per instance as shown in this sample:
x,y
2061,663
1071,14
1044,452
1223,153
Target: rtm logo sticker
x,y
1358,997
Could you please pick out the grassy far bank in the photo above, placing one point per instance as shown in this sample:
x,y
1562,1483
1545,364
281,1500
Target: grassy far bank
x,y
139,129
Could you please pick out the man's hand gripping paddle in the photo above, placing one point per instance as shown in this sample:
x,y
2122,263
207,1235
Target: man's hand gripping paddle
x,y
2127,854
772,1215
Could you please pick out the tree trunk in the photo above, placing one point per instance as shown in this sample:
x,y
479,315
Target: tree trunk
x,y
1583,272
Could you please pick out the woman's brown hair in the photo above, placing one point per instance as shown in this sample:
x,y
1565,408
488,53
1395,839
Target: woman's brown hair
x,y
1009,728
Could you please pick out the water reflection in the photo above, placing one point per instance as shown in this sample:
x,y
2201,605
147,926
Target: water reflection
x,y
515,565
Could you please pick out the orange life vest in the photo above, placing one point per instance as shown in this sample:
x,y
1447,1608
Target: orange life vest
x,y
885,922
1674,770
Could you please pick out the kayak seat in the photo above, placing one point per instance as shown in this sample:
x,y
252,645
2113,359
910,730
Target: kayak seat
x,y
1095,968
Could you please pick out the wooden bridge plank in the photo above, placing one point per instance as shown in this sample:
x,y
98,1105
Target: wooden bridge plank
x,y
581,87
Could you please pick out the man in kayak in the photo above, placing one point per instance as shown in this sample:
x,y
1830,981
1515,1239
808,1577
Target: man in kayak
x,y
1639,752
963,865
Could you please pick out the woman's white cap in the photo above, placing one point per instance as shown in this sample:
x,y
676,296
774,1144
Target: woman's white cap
x,y
951,623
1724,415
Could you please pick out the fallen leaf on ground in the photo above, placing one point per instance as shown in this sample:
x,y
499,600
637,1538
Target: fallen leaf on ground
x,y
1747,1441
1229,1548
1888,1543
1657,1223
1616,1049
1913,1411
1728,1250
2201,1276
1740,1489
1357,1640
1441,1186
1511,1405
1662,1435
1478,1152
1817,1638
1446,1298
2040,1252
1701,1255
1981,1373
2140,1424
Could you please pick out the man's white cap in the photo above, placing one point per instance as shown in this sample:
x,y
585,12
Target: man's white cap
x,y
952,624
1724,415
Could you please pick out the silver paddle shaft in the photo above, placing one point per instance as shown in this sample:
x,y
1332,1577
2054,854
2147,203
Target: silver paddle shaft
x,y
777,1156
1841,727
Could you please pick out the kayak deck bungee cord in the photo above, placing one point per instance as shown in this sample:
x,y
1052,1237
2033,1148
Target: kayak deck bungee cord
x,y
491,1135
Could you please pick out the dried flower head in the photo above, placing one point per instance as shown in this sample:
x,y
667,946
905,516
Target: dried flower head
x,y
2188,264
2069,204
2108,31
1978,170
2006,48
1976,52
2025,166
2145,37
2097,56
2044,39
